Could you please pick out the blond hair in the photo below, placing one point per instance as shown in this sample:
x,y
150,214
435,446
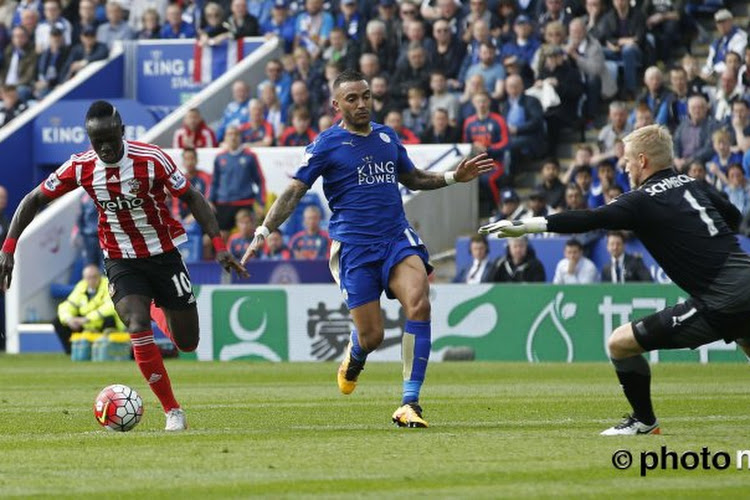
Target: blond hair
x,y
721,134
654,142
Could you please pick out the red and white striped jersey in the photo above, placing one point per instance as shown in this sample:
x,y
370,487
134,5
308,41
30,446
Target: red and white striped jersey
x,y
134,220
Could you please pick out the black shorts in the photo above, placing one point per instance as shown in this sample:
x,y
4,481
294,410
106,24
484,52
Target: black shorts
x,y
689,325
225,215
164,278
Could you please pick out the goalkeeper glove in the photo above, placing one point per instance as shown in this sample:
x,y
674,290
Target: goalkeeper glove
x,y
513,229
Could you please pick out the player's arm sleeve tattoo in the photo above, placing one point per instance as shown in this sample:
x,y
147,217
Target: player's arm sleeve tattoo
x,y
202,211
419,180
285,204
613,216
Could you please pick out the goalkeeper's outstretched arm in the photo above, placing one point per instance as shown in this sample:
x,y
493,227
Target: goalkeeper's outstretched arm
x,y
612,216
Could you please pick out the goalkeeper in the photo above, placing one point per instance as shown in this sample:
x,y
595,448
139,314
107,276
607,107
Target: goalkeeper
x,y
690,231
87,308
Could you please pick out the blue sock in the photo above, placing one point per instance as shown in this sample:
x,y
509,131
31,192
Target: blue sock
x,y
357,352
415,349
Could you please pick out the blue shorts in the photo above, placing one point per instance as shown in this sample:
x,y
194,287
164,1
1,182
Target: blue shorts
x,y
362,271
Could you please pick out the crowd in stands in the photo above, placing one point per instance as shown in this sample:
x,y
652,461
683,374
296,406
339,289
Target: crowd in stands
x,y
506,76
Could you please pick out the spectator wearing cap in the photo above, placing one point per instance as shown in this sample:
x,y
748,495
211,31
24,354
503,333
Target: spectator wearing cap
x,y
440,130
116,28
50,64
623,35
525,118
52,19
551,185
525,43
19,63
510,207
587,54
447,53
481,267
492,71
350,20
375,42
86,18
87,51
313,27
394,120
519,265
11,105
241,24
280,24
732,39
175,27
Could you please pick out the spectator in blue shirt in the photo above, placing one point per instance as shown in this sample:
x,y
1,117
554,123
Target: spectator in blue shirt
x,y
117,28
236,111
281,81
175,27
313,27
279,24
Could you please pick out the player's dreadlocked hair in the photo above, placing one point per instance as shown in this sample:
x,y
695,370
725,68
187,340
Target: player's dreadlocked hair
x,y
103,109
348,75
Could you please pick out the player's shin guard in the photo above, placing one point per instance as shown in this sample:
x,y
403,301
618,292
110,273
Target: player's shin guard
x,y
415,352
149,360
635,377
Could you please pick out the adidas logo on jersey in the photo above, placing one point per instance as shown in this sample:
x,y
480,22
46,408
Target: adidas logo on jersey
x,y
154,378
120,203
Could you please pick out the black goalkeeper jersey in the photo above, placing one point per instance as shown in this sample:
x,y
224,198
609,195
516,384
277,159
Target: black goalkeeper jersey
x,y
687,227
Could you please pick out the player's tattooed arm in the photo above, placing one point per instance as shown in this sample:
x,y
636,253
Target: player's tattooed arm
x,y
467,170
25,213
281,209
285,204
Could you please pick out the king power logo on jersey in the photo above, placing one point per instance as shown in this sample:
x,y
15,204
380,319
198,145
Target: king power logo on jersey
x,y
376,172
250,325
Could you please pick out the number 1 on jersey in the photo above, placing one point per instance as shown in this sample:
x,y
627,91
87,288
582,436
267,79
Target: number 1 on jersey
x,y
701,213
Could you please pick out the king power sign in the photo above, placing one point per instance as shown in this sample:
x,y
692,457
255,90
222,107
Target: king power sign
x,y
534,323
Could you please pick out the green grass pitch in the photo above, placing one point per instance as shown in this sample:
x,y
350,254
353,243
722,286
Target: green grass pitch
x,y
498,430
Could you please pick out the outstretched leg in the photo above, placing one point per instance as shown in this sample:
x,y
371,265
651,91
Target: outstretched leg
x,y
409,284
634,374
134,310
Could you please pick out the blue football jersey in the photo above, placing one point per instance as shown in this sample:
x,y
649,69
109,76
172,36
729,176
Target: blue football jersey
x,y
360,181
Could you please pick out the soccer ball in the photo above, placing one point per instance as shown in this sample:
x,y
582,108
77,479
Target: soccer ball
x,y
118,408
